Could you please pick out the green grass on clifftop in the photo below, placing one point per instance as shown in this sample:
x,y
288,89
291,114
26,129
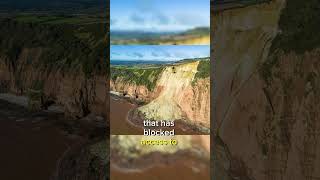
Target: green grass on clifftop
x,y
300,26
203,70
146,76
64,42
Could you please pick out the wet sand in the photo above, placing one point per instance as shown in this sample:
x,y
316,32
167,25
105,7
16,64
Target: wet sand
x,y
125,121
119,109
31,144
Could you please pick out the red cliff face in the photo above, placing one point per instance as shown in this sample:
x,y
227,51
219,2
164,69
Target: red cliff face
x,y
79,95
138,92
267,101
176,96
195,102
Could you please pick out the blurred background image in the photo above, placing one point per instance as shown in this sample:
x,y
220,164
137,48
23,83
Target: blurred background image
x,y
53,89
265,89
133,156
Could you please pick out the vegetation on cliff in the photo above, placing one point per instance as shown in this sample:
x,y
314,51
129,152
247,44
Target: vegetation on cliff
x,y
148,75
199,31
63,6
299,25
299,32
65,42
138,75
203,69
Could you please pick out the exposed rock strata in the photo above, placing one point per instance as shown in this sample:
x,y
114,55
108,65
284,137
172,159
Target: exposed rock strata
x,y
267,101
77,93
177,95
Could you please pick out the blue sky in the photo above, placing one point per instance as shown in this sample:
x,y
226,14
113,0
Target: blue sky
x,y
159,15
159,53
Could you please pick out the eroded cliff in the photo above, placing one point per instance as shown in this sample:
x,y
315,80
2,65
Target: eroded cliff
x,y
179,98
176,92
60,69
266,92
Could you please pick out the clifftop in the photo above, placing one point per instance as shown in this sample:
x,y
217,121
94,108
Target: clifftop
x,y
65,42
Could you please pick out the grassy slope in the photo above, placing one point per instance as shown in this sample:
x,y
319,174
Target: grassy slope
x,y
68,42
158,38
147,76
63,6
203,69
300,26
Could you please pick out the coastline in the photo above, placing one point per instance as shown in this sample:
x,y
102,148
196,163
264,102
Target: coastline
x,y
31,137
135,119
47,137
181,127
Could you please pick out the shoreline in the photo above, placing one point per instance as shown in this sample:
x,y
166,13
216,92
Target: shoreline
x,y
47,137
23,101
135,118
40,137
181,127
14,99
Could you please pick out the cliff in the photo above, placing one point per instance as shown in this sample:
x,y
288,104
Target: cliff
x,y
172,92
266,91
136,82
179,98
60,69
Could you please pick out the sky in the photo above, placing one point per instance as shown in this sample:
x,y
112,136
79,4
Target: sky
x,y
158,53
159,15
